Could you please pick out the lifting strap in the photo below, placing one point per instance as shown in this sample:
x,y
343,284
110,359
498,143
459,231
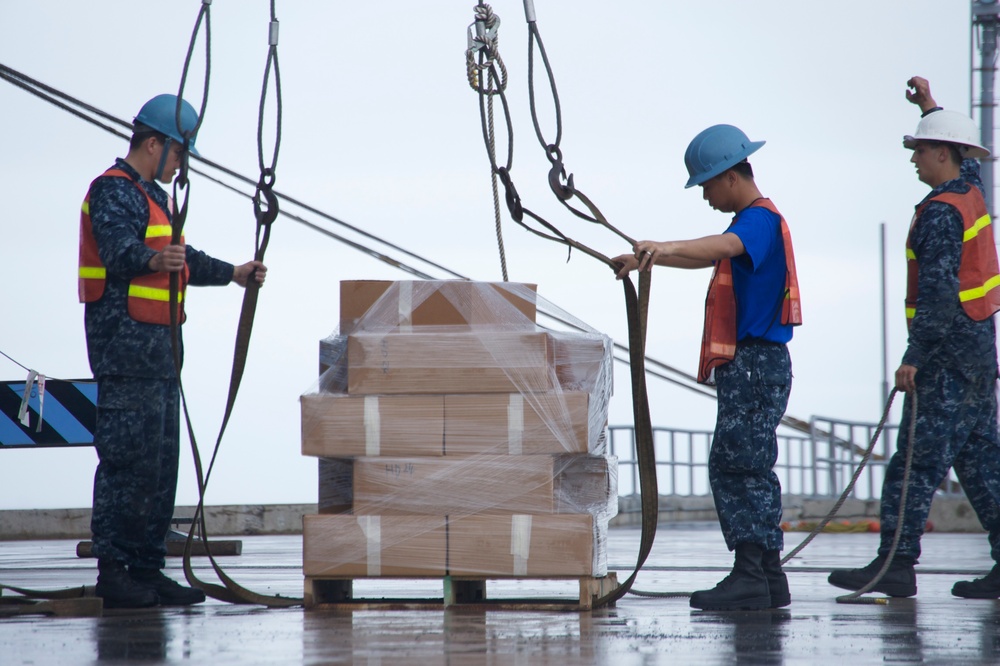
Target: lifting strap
x,y
488,81
265,203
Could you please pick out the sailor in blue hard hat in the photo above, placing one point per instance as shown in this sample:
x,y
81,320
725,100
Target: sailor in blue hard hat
x,y
128,260
716,149
752,305
158,119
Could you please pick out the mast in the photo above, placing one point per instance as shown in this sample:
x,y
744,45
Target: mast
x,y
985,25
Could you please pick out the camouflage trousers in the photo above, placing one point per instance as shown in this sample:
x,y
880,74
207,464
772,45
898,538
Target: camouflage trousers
x,y
956,428
138,445
753,392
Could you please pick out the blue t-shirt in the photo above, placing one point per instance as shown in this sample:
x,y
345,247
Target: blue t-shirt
x,y
759,276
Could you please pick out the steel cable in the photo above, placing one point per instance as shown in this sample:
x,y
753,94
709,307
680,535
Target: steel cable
x,y
48,94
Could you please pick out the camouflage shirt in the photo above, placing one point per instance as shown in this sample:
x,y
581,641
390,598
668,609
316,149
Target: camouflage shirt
x,y
941,334
116,343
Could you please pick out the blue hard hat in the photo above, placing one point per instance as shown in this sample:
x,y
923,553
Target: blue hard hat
x,y
160,114
716,149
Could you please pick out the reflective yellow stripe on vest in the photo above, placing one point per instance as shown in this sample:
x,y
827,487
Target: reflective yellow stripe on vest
x,y
152,293
911,313
980,292
158,230
974,230
93,272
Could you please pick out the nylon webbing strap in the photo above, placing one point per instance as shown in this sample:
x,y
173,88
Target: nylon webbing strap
x,y
636,306
265,203
488,81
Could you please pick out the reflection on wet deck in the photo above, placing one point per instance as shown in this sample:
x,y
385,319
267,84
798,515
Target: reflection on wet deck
x,y
932,628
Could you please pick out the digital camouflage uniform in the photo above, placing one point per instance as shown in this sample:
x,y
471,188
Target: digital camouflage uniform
x,y
137,434
957,370
753,392
753,389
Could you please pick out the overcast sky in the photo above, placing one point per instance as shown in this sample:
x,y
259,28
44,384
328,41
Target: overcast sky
x,y
382,130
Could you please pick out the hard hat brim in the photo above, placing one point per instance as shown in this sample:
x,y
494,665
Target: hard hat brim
x,y
975,152
723,165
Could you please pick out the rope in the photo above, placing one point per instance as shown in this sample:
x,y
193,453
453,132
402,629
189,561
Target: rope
x,y
637,303
24,367
561,185
53,96
854,597
496,196
34,87
482,59
265,216
850,485
181,183
680,378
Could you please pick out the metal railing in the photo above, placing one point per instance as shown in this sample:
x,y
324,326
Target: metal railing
x,y
819,464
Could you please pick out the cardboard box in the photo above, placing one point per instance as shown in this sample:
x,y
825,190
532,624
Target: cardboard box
x,y
449,362
333,355
336,486
527,546
344,426
588,484
583,361
406,304
362,546
484,484
516,424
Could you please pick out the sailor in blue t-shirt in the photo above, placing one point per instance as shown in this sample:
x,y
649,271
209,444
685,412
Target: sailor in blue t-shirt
x,y
759,276
752,305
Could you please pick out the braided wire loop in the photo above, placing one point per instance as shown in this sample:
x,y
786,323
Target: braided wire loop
x,y
267,171
484,46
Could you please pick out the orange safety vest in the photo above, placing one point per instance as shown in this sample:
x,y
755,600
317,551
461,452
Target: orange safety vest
x,y
718,340
148,295
978,272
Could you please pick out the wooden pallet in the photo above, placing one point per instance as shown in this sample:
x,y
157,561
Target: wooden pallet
x,y
459,592
175,548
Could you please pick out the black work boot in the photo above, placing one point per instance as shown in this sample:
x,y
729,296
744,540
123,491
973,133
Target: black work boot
x,y
900,580
777,581
987,587
743,589
170,592
118,590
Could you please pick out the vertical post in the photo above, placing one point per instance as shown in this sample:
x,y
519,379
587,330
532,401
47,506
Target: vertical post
x,y
985,22
885,332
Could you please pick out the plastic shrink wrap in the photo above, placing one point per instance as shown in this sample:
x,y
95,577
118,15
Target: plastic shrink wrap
x,y
456,436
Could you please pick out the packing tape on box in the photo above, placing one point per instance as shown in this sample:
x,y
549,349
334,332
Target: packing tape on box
x,y
515,424
520,542
405,306
371,526
373,426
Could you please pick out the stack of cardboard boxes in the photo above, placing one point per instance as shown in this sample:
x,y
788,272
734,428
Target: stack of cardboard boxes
x,y
456,437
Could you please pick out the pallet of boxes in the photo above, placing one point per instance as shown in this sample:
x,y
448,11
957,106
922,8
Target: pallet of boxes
x,y
459,441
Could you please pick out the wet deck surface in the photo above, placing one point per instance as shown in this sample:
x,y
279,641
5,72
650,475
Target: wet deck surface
x,y
933,628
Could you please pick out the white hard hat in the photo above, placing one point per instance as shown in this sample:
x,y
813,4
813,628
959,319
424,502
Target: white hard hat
x,y
950,127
